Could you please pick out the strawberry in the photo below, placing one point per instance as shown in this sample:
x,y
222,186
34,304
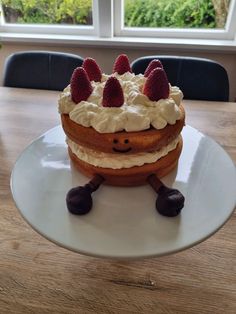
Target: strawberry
x,y
92,69
153,65
80,85
112,94
121,65
157,85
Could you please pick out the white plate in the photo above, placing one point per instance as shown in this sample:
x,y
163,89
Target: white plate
x,y
124,222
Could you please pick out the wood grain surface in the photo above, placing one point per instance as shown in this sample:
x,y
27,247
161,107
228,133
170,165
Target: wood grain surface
x,y
36,276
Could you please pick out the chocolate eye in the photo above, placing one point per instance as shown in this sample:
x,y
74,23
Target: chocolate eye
x,y
115,141
126,141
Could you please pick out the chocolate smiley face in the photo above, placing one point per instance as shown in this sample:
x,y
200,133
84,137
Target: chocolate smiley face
x,y
121,146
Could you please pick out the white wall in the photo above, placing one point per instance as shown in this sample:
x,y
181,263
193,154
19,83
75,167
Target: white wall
x,y
106,56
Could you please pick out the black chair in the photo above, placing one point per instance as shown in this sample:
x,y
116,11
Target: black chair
x,y
40,69
198,78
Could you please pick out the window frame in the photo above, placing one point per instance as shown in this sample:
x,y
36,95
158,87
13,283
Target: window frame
x,y
228,33
107,30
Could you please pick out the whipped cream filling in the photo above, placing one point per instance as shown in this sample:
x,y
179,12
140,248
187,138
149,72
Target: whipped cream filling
x,y
119,161
137,113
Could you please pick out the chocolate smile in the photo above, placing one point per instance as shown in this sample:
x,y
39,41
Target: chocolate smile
x,y
119,150
126,150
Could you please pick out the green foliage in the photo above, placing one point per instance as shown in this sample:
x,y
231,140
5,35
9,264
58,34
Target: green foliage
x,y
48,11
138,13
171,13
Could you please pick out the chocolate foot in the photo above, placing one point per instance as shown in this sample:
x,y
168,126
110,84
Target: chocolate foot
x,y
169,201
79,200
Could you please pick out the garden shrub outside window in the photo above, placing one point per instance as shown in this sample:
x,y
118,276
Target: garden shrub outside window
x,y
64,12
176,13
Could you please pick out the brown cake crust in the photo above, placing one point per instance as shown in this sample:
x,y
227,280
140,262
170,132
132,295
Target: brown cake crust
x,y
122,142
130,176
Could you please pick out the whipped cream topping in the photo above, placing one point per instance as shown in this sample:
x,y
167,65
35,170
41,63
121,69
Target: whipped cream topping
x,y
137,113
119,161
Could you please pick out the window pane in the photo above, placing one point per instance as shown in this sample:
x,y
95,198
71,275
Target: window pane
x,y
63,12
176,13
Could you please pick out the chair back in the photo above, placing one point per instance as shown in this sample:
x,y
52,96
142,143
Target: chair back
x,y
198,78
40,69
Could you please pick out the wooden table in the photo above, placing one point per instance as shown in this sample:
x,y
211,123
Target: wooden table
x,y
36,276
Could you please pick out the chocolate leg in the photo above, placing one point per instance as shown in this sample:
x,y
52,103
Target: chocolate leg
x,y
79,200
169,201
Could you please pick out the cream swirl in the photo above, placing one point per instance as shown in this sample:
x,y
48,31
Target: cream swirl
x,y
119,161
137,113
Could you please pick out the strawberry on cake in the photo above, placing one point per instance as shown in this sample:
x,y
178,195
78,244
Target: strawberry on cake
x,y
122,129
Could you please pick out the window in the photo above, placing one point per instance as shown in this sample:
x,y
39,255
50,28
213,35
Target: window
x,y
176,18
117,19
65,12
176,13
51,16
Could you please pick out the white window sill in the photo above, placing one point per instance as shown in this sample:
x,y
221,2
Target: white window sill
x,y
128,42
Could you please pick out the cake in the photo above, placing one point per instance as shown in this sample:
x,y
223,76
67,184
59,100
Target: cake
x,y
122,127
